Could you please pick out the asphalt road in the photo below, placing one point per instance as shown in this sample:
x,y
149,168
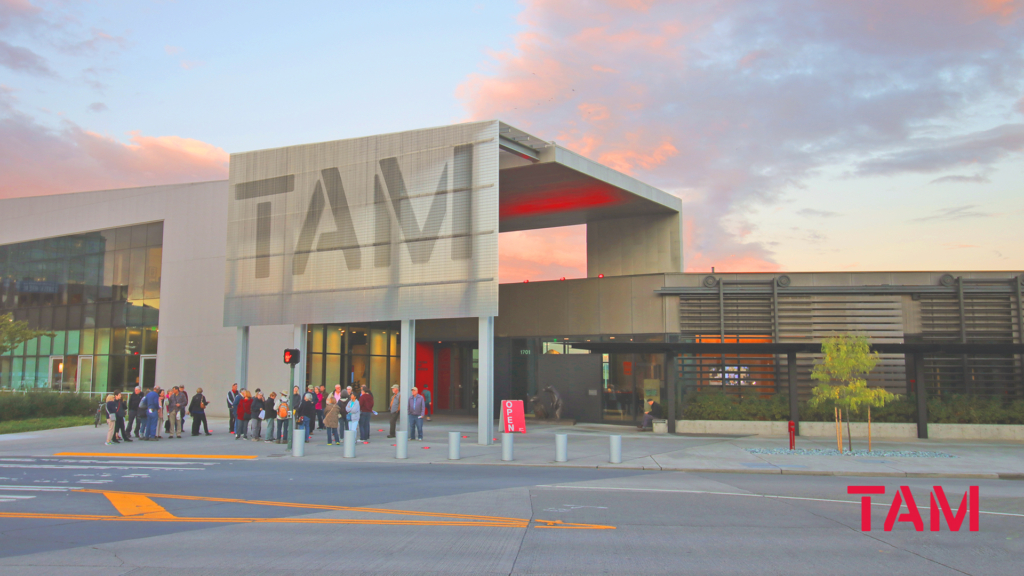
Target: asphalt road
x,y
101,515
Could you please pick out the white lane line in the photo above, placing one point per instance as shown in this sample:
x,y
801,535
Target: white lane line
x,y
73,467
769,496
14,497
118,462
39,488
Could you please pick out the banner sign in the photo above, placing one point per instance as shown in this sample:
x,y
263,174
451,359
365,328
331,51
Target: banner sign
x,y
513,417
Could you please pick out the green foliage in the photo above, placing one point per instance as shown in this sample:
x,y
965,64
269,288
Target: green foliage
x,y
847,359
33,424
18,406
955,409
13,333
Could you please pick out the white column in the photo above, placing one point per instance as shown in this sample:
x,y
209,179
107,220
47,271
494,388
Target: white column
x,y
299,340
242,356
407,373
485,377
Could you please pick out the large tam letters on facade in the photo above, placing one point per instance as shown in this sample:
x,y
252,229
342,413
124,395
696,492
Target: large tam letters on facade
x,y
391,227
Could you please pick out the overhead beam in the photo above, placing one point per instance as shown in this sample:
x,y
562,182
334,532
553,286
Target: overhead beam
x,y
521,150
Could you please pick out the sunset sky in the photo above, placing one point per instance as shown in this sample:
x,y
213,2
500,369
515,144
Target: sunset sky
x,y
800,134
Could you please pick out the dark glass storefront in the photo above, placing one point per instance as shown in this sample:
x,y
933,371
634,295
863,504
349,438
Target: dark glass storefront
x,y
99,293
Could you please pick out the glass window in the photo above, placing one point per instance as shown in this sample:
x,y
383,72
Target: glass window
x,y
134,341
117,341
115,380
103,315
74,337
58,342
378,379
89,316
123,238
316,339
155,234
333,375
378,342
74,317
152,336
5,373
316,369
44,345
137,274
17,372
357,340
153,267
88,342
103,341
357,373
102,369
29,378
131,372
31,346
46,318
139,234
60,318
393,348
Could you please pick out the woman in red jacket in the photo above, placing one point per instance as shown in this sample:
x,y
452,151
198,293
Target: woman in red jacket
x,y
243,415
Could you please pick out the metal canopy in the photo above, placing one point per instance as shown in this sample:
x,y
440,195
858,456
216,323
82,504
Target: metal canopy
x,y
549,186
795,348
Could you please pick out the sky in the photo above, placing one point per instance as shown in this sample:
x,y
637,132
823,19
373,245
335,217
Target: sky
x,y
801,135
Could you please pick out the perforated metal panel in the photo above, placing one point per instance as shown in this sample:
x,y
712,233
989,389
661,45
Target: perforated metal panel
x,y
390,227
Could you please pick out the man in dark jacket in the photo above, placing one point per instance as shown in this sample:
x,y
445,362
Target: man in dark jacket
x,y
133,411
122,410
653,412
197,409
232,404
255,421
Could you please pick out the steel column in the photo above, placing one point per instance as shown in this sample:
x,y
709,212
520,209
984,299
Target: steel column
x,y
485,378
794,398
922,396
406,374
671,372
242,357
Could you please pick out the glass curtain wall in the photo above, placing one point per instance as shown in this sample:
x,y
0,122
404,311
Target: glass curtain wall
x,y
98,292
365,355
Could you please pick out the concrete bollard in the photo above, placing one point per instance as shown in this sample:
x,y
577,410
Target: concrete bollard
x,y
454,442
507,448
298,441
615,457
561,447
350,444
402,446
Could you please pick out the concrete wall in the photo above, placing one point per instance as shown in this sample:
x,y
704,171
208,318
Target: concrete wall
x,y
635,245
879,430
195,349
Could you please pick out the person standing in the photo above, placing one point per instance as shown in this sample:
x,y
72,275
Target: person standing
x,y
161,415
197,409
319,392
182,390
365,411
353,410
122,410
152,401
416,408
242,414
133,410
176,405
283,415
394,410
232,406
270,407
331,417
307,415
257,414
428,403
111,410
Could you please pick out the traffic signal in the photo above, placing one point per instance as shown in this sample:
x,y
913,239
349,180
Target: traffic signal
x,y
291,356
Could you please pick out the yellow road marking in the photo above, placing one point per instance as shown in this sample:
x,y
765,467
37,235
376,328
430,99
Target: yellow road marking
x,y
140,507
185,456
136,505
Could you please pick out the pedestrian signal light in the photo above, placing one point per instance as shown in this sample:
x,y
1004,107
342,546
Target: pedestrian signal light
x,y
291,356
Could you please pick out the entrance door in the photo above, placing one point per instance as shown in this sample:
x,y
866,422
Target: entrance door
x,y
148,379
84,381
56,372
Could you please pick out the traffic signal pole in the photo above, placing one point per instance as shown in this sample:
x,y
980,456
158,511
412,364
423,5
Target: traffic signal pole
x,y
291,418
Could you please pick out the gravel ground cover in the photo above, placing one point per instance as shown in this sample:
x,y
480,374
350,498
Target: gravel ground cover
x,y
833,452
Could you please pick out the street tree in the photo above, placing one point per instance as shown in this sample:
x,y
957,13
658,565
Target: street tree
x,y
14,333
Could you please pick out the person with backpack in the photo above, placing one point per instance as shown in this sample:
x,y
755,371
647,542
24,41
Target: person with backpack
x,y
307,415
197,409
283,415
256,416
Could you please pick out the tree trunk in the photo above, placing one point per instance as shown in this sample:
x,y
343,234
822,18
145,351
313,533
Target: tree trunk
x,y
848,431
869,429
835,420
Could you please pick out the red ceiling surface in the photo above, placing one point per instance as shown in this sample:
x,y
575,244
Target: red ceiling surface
x,y
557,200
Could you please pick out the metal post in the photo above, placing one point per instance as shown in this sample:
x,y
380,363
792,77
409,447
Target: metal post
x,y
794,398
290,422
242,357
406,380
297,443
671,371
922,396
615,453
561,447
402,445
350,444
454,440
507,447
485,379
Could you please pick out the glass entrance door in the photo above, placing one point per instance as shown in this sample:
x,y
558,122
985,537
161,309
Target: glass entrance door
x,y
56,372
148,378
84,380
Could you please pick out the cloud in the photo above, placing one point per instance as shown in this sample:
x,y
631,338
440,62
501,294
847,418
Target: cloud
x,y
738,102
37,160
21,59
955,213
564,250
171,50
959,179
190,64
98,107
812,213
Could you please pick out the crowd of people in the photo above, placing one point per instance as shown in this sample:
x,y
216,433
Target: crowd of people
x,y
255,416
148,411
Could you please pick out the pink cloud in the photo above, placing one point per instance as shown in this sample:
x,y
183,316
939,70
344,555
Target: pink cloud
x,y
733,103
547,254
36,160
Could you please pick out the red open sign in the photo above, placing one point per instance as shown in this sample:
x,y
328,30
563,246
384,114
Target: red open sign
x,y
513,418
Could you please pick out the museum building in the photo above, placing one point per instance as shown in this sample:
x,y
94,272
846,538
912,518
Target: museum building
x,y
377,257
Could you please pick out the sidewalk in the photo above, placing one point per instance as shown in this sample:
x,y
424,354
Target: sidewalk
x,y
588,447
